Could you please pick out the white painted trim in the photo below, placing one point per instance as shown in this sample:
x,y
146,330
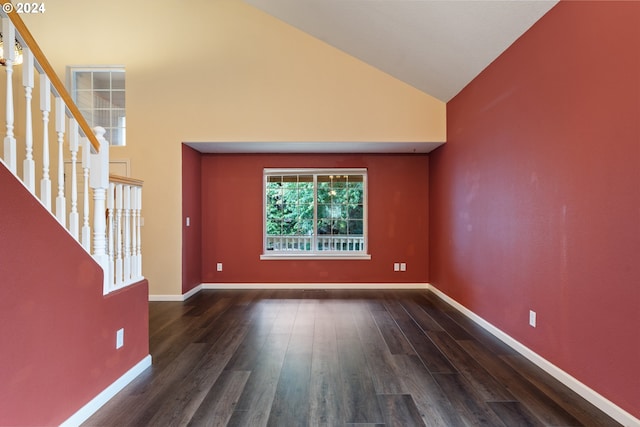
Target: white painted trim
x,y
192,292
241,286
97,402
315,285
580,388
166,298
182,297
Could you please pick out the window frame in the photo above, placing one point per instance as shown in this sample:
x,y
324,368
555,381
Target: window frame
x,y
315,254
120,128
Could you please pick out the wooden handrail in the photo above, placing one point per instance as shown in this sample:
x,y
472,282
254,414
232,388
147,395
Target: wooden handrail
x,y
57,84
125,180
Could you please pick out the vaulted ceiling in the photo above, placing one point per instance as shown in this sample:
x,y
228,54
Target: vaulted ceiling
x,y
437,47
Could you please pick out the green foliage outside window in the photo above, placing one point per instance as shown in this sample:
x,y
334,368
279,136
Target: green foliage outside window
x,y
290,205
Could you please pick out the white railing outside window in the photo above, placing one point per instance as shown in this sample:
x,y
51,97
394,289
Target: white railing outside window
x,y
335,243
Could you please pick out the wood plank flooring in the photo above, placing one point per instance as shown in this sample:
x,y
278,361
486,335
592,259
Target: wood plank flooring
x,y
334,358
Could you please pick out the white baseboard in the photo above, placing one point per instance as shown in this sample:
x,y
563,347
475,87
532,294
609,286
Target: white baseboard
x,y
97,402
389,286
240,286
192,292
182,297
166,297
583,390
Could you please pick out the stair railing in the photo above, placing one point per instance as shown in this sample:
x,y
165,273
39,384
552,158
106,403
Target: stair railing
x,y
107,222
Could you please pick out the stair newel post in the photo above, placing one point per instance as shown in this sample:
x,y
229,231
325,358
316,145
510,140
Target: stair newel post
x,y
126,196
61,203
45,107
99,178
9,36
28,166
86,164
74,219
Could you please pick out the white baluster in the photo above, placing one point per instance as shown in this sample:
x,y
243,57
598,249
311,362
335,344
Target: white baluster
x,y
86,163
100,182
111,227
28,165
99,240
74,219
45,107
9,35
118,232
61,202
126,204
138,232
111,234
135,217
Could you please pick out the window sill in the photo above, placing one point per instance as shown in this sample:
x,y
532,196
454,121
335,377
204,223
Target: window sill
x,y
300,256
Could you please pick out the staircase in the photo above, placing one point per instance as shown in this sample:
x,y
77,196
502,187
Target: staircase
x,y
65,164
73,299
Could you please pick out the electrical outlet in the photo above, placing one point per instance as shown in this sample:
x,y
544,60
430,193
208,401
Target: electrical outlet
x,y
119,338
219,266
532,318
403,266
396,266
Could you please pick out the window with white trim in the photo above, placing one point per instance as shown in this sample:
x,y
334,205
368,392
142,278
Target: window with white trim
x,y
315,213
99,93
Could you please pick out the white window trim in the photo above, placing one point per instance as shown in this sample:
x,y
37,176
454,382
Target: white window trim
x,y
316,255
71,86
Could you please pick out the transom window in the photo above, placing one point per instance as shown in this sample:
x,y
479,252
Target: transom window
x,y
99,93
315,212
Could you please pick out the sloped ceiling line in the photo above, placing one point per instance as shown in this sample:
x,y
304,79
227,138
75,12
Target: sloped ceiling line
x,y
437,47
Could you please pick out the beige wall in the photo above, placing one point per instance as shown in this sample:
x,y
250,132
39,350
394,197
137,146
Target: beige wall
x,y
222,71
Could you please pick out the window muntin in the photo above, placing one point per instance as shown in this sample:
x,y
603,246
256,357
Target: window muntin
x,y
99,93
315,212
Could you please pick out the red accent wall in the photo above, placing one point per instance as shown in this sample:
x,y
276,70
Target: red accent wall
x,y
192,208
232,230
535,197
57,331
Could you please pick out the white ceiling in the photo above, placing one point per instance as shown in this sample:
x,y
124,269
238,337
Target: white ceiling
x,y
435,46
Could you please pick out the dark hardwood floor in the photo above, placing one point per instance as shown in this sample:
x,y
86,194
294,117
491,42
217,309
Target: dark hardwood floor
x,y
334,358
